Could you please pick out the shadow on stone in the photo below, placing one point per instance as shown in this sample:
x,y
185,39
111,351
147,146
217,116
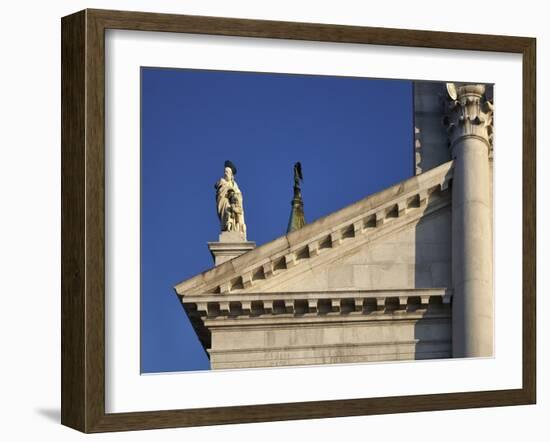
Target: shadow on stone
x,y
433,270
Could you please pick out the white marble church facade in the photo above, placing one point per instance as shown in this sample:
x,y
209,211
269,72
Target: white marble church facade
x,y
402,274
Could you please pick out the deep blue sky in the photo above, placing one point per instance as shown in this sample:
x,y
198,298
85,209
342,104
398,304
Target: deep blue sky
x,y
353,137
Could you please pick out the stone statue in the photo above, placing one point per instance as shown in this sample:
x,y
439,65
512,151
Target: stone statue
x,y
235,218
229,202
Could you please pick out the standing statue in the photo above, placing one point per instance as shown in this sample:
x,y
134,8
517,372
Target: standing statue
x,y
229,202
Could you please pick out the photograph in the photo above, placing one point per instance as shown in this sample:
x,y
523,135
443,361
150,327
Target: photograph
x,y
266,220
275,221
297,220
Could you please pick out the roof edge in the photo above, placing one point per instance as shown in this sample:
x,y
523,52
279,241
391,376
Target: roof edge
x,y
326,223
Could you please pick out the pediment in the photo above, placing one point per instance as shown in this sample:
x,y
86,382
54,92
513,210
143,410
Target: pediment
x,y
326,251
413,253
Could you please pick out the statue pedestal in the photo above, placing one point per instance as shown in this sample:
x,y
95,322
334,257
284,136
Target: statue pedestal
x,y
229,246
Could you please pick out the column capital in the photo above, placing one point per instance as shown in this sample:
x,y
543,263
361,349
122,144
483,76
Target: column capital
x,y
469,113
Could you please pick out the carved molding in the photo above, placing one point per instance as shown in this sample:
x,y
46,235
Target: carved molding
x,y
417,151
312,304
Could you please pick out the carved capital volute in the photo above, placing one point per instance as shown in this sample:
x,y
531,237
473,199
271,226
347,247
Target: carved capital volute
x,y
469,114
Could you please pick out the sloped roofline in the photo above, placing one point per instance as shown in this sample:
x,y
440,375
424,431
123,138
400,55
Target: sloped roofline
x,y
389,197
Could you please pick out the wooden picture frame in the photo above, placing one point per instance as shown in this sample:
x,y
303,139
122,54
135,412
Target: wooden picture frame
x,y
83,220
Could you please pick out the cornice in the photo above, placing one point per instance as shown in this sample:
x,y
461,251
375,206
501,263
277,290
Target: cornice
x,y
314,306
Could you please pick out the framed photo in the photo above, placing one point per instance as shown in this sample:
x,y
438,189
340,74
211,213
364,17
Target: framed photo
x,y
267,221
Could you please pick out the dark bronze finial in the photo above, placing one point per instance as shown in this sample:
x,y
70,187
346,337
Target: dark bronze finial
x,y
298,174
297,218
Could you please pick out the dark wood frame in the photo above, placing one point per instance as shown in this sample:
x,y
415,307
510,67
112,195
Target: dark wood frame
x,y
83,216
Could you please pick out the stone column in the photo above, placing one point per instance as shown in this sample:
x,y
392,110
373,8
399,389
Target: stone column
x,y
469,123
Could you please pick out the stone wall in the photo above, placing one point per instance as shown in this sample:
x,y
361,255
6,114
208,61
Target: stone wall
x,y
430,135
414,258
331,340
419,256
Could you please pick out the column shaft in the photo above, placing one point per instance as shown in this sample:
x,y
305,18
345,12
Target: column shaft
x,y
471,251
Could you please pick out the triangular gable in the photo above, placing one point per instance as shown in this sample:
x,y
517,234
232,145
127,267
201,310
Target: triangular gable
x,y
413,254
308,252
